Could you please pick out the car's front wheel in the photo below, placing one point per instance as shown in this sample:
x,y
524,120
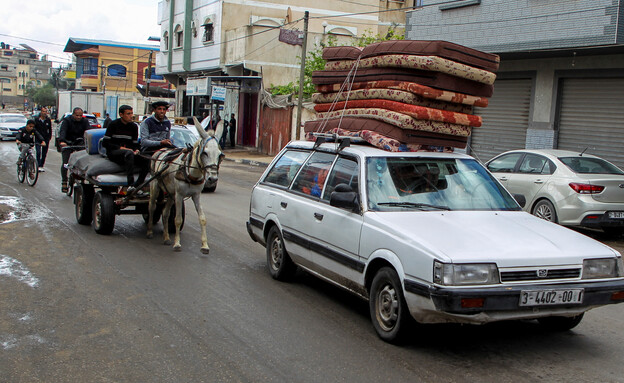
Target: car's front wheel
x,y
560,323
388,309
544,209
281,267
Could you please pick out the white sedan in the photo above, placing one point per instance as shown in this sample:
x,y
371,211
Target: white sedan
x,y
565,187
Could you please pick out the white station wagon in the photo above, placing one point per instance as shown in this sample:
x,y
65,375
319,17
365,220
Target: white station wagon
x,y
428,236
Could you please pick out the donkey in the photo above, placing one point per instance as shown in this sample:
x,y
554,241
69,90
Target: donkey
x,y
182,177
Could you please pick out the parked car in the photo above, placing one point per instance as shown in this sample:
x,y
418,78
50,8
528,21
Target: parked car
x,y
428,236
10,124
565,187
182,136
93,121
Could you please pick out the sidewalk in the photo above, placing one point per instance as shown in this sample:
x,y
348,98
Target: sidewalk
x,y
247,155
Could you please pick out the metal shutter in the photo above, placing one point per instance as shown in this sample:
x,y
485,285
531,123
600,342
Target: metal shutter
x,y
505,120
592,116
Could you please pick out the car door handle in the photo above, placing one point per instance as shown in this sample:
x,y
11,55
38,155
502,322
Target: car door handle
x,y
503,179
318,216
538,182
284,204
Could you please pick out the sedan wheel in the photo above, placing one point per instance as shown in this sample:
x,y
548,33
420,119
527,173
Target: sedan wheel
x,y
545,210
279,263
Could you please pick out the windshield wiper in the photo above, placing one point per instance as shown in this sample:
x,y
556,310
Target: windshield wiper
x,y
414,205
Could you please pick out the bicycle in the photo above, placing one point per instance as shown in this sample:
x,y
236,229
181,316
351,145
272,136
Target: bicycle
x,y
28,169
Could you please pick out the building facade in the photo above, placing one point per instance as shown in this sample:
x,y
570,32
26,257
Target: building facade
x,y
120,70
561,77
240,46
20,68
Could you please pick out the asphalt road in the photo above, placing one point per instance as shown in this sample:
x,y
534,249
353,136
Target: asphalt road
x,y
76,306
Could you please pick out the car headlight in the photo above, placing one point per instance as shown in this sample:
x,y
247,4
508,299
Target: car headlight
x,y
602,268
465,274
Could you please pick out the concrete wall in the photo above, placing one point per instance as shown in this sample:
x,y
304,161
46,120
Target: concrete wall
x,y
505,26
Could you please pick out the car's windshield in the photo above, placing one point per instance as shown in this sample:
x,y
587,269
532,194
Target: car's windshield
x,y
408,183
181,137
13,119
590,165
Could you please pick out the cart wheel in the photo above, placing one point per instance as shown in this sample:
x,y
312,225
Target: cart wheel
x,y
103,213
172,218
83,201
32,172
156,217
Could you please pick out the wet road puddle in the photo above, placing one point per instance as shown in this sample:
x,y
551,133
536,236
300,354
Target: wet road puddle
x,y
14,209
12,268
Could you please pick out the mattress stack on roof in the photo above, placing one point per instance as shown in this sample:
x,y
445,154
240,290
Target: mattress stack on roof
x,y
403,95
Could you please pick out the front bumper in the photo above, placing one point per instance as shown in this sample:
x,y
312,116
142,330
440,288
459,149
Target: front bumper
x,y
8,133
503,302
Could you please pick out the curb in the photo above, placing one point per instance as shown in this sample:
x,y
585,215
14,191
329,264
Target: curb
x,y
247,161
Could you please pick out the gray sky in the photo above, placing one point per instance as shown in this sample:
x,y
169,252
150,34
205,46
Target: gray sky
x,y
54,21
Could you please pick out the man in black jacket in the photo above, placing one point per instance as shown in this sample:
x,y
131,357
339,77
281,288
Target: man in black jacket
x,y
43,124
122,146
71,134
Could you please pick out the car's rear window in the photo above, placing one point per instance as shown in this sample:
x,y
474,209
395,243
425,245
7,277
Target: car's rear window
x,y
590,165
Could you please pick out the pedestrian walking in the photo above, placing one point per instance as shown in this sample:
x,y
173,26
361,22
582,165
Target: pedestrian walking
x,y
43,125
107,121
232,131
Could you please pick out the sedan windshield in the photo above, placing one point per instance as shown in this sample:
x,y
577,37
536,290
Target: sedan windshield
x,y
181,137
590,165
411,183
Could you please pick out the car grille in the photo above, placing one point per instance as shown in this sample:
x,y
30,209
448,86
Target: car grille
x,y
538,275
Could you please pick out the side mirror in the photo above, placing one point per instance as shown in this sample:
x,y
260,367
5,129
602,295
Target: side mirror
x,y
343,196
521,199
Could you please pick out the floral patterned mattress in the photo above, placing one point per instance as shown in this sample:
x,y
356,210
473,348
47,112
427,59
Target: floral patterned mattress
x,y
401,120
384,129
432,63
412,87
415,111
390,94
444,49
437,80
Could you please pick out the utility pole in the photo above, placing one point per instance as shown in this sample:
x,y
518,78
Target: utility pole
x,y
148,80
306,16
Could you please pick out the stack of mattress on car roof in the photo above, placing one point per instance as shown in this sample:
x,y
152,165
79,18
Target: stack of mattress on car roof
x,y
403,95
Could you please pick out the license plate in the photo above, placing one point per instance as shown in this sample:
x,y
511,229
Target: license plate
x,y
550,297
616,214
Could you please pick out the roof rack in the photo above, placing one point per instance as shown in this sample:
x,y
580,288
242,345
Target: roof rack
x,y
343,141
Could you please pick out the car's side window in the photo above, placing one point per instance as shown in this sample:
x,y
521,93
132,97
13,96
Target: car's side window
x,y
504,164
345,171
313,174
532,163
286,168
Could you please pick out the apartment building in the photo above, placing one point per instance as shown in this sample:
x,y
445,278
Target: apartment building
x,y
118,69
19,68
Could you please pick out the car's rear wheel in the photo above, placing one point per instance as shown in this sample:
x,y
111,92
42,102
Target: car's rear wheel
x,y
388,309
544,209
280,266
560,323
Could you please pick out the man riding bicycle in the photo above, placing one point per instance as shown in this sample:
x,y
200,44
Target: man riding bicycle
x,y
71,134
26,137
